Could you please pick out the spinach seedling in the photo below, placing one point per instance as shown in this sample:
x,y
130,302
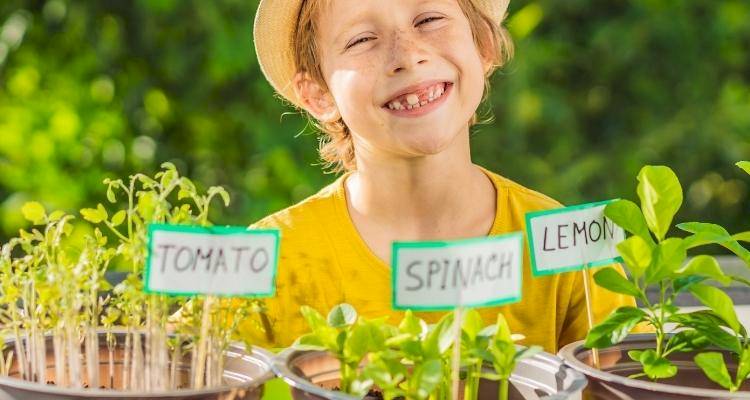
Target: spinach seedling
x,y
345,336
503,354
415,363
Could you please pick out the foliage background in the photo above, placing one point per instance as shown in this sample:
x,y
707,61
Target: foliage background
x,y
94,89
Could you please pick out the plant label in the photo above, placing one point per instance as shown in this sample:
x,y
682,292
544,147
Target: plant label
x,y
224,261
444,275
571,238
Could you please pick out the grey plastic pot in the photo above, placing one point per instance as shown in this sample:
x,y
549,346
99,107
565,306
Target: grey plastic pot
x,y
612,382
243,378
313,374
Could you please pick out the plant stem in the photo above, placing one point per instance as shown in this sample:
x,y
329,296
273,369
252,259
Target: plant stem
x,y
346,377
198,378
175,361
502,393
20,353
136,370
58,344
126,361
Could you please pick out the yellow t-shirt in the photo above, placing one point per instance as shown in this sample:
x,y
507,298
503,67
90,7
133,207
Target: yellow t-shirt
x,y
323,262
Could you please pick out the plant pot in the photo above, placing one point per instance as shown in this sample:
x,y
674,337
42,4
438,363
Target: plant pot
x,y
313,375
612,382
243,378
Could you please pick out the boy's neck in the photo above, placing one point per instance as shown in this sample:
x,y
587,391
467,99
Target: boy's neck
x,y
441,196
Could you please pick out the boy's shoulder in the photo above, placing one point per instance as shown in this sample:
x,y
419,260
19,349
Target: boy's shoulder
x,y
522,197
312,211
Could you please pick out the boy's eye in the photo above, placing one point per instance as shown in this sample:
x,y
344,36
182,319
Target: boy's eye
x,y
358,41
428,19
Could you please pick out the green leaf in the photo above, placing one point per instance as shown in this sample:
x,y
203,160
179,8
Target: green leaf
x,y
214,190
687,340
706,266
707,324
92,215
314,319
308,341
472,323
168,177
119,217
719,302
411,324
635,355
743,369
661,196
629,217
426,378
668,257
439,337
503,330
636,253
743,236
56,215
364,338
102,211
683,283
745,165
528,352
615,328
503,357
712,364
34,212
111,194
342,315
183,194
657,367
610,279
705,233
147,204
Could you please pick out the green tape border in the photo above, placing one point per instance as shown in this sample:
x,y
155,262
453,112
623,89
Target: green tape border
x,y
398,245
576,267
214,230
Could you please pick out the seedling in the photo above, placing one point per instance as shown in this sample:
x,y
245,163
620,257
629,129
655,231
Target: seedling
x,y
48,288
655,260
413,360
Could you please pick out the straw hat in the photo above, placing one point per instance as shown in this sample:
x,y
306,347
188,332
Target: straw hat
x,y
273,34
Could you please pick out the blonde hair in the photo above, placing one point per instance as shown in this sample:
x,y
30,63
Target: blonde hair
x,y
336,147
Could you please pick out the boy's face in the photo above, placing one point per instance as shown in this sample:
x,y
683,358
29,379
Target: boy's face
x,y
382,57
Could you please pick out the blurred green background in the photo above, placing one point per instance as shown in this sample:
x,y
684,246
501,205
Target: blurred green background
x,y
94,89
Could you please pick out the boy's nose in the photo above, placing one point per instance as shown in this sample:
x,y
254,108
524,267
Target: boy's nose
x,y
405,53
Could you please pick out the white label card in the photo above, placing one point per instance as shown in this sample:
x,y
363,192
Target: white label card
x,y
224,261
445,275
572,238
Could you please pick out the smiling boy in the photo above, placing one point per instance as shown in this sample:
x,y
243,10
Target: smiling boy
x,y
394,86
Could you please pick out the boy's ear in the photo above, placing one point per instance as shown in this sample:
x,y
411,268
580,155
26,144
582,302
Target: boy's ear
x,y
488,52
314,98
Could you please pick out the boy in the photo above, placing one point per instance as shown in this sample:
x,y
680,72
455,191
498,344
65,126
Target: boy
x,y
394,86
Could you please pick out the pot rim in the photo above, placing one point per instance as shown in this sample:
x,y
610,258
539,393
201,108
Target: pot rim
x,y
280,367
569,351
259,355
279,364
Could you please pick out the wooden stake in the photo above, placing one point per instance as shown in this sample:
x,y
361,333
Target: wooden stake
x,y
589,311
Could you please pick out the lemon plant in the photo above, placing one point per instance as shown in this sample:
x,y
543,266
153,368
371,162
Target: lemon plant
x,y
655,260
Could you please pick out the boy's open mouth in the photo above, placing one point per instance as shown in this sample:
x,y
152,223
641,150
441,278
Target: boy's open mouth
x,y
422,95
